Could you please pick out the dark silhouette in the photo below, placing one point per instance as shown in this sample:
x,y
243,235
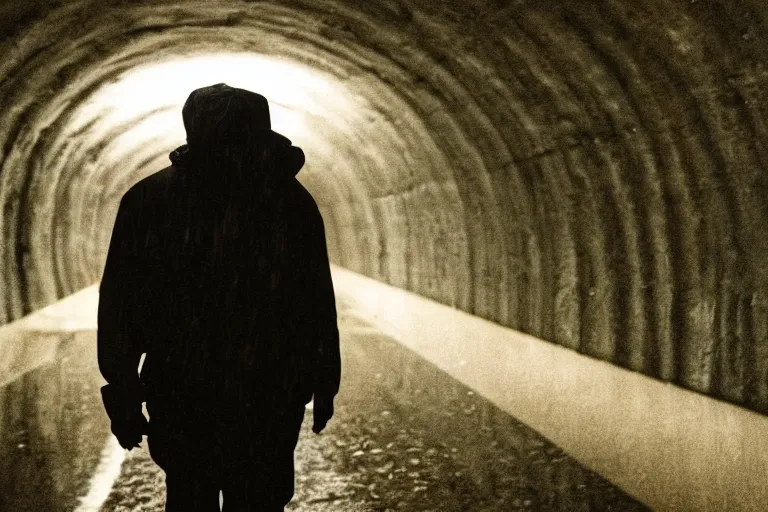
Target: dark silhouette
x,y
218,271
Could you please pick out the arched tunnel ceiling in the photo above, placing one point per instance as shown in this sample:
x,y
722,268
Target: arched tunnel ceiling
x,y
593,173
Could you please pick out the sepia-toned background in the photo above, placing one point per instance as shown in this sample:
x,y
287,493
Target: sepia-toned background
x,y
589,173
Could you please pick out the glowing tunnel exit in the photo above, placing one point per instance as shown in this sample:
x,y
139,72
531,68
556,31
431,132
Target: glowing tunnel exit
x,y
155,94
122,128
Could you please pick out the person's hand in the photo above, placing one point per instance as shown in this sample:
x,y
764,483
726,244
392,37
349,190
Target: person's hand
x,y
129,429
323,411
123,406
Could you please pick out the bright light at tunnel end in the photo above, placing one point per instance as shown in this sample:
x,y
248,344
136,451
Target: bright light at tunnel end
x,y
293,91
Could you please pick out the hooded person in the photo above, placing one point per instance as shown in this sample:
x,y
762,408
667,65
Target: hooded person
x,y
218,272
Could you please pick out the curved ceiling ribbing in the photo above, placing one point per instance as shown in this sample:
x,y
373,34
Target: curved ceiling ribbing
x,y
593,173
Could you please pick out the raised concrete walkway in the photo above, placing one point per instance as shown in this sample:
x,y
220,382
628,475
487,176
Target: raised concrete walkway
x,y
668,447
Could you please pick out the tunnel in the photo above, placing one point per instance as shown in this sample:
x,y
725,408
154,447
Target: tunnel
x,y
591,174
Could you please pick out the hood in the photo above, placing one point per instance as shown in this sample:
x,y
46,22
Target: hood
x,y
288,159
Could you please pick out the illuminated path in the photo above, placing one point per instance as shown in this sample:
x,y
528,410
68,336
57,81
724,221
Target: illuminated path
x,y
406,436
416,429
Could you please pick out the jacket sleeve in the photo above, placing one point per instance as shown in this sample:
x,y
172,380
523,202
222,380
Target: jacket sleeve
x,y
118,343
326,357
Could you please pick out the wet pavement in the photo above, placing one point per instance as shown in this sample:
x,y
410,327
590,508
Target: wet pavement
x,y
52,430
406,436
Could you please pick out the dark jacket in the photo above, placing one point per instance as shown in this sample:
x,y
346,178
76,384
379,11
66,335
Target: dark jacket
x,y
227,290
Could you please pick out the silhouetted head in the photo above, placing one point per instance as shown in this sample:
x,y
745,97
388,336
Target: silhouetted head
x,y
230,136
222,115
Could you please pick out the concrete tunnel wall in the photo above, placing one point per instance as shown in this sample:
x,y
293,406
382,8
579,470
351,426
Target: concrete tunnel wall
x,y
592,173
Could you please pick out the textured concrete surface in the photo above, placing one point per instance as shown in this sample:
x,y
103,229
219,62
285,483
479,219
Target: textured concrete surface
x,y
52,430
406,436
671,448
497,420
592,173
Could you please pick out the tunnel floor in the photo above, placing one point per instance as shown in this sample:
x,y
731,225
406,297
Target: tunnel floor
x,y
406,436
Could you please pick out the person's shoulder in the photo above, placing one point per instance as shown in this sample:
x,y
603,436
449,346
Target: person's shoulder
x,y
303,198
152,185
306,212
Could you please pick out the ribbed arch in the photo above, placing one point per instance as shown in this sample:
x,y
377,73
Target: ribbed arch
x,y
592,173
